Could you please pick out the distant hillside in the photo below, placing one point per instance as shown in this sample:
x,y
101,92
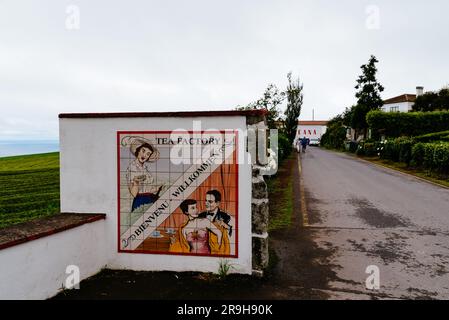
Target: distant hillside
x,y
29,187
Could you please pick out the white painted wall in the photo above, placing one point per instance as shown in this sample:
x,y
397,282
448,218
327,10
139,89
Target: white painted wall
x,y
403,106
89,184
37,269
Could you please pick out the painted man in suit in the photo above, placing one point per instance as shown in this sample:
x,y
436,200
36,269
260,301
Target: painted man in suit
x,y
213,212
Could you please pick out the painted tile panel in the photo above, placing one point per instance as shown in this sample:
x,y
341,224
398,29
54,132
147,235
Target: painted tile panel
x,y
178,193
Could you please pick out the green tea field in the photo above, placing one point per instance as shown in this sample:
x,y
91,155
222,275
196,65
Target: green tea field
x,y
29,187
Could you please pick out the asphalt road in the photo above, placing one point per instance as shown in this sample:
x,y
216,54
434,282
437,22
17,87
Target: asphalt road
x,y
365,215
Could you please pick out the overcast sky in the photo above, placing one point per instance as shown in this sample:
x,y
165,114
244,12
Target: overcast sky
x,y
204,55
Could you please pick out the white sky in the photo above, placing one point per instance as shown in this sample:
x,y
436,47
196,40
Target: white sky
x,y
207,55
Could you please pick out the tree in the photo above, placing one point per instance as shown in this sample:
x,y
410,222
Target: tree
x,y
369,89
347,116
368,95
270,101
335,135
358,117
426,102
295,99
432,101
443,99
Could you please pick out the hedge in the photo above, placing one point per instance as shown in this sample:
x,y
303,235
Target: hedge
x,y
432,156
436,136
396,124
367,148
334,137
285,147
440,157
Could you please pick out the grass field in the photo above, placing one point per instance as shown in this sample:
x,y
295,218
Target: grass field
x,y
280,192
29,187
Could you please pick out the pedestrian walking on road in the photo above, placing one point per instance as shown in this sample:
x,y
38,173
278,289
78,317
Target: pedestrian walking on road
x,y
304,143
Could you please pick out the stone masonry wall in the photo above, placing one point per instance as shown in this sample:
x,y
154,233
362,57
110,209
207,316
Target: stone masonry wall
x,y
259,221
259,200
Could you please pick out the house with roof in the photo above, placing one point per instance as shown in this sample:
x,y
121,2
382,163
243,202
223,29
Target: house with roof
x,y
402,103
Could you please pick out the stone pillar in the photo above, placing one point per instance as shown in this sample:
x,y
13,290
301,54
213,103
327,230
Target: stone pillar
x,y
259,199
259,223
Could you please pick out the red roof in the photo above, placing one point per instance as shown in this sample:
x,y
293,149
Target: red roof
x,y
313,123
401,98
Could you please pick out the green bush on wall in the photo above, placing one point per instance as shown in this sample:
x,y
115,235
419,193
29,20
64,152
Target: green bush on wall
x,y
390,151
441,157
405,145
436,136
398,150
428,156
418,151
396,124
431,156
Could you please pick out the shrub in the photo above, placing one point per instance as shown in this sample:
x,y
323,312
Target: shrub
x,y
366,148
360,151
441,157
443,135
398,150
391,151
334,136
285,147
351,146
395,124
432,156
405,145
428,156
418,154
370,148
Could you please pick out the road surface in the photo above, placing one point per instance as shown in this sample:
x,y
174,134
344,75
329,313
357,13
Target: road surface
x,y
364,215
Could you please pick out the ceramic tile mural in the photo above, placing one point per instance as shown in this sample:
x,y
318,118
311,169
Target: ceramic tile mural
x,y
178,192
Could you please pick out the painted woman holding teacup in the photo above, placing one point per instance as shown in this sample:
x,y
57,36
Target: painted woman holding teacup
x,y
139,179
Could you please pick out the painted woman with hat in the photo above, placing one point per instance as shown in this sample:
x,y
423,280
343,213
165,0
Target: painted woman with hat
x,y
140,181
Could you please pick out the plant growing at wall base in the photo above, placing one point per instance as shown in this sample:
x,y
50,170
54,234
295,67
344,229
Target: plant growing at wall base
x,y
224,267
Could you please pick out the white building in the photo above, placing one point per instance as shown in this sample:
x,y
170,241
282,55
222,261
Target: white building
x,y
312,129
402,103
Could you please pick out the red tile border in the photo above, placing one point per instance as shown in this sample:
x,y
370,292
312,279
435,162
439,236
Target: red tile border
x,y
43,227
225,113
